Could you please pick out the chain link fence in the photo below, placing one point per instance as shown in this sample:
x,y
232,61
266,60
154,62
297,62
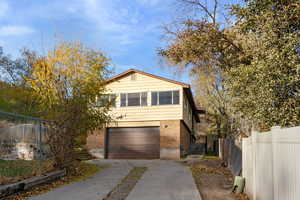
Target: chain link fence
x,y
23,147
22,137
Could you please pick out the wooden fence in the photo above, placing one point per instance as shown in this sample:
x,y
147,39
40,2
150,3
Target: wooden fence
x,y
271,164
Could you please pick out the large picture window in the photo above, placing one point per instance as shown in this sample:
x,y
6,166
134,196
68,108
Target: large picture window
x,y
165,98
134,99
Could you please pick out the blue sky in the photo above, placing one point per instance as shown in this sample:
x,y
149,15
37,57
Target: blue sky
x,y
127,31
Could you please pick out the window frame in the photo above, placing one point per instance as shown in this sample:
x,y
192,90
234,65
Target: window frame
x,y
141,104
109,100
136,96
157,98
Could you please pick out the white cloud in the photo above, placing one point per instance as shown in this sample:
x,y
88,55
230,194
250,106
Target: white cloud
x,y
15,30
123,23
3,8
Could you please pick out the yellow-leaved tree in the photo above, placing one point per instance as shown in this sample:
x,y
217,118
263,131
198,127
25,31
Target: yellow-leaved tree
x,y
66,83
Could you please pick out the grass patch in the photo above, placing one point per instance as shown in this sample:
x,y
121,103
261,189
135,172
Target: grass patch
x,y
122,190
15,170
83,171
210,157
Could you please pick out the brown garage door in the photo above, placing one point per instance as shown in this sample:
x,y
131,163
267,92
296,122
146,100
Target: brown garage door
x,y
133,143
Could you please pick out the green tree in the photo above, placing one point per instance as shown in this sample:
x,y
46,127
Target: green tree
x,y
66,83
267,88
199,44
256,59
15,95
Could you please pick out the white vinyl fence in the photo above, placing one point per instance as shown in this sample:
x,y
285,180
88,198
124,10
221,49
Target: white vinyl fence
x,y
271,164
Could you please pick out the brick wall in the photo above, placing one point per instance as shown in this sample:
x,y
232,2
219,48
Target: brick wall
x,y
95,143
170,139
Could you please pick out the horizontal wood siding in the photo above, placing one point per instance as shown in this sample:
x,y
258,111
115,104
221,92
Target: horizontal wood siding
x,y
134,124
144,84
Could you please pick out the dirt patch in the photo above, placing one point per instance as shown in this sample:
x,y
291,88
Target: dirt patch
x,y
214,182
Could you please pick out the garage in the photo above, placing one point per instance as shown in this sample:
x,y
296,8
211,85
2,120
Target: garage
x,y
133,143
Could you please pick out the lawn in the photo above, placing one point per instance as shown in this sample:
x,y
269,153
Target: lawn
x,y
14,170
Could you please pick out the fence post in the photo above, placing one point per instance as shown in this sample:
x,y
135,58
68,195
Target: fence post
x,y
221,146
254,138
274,131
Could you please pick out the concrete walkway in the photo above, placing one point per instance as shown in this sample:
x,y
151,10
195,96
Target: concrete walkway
x,y
165,180
94,188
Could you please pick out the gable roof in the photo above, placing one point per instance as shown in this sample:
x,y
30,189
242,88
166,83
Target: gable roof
x,y
186,87
130,71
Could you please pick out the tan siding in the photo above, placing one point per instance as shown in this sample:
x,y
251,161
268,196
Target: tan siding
x,y
135,124
145,84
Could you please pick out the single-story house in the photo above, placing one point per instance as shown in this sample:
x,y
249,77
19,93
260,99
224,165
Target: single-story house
x,y
158,118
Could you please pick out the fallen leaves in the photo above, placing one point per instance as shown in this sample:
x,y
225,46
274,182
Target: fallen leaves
x,y
83,171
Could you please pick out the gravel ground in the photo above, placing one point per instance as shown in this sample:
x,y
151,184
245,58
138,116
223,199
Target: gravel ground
x,y
121,191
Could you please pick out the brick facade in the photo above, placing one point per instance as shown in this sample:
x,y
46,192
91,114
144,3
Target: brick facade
x,y
174,140
96,143
170,139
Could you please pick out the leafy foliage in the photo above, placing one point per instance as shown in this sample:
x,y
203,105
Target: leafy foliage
x,y
247,71
201,44
66,83
268,87
15,95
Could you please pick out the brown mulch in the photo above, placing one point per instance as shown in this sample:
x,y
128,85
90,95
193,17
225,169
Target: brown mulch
x,y
214,182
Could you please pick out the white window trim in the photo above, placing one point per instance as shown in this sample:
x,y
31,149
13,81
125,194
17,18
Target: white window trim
x,y
172,92
140,97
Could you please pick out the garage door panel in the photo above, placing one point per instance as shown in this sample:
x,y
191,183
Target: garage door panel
x,y
133,143
144,148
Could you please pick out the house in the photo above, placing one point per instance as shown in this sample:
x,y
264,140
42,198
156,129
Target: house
x,y
158,119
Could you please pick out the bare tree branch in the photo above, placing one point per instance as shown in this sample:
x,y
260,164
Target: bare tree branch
x,y
202,6
215,11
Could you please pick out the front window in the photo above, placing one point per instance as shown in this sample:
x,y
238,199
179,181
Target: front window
x,y
134,99
106,100
165,98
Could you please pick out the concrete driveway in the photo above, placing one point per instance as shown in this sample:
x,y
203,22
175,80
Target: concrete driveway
x,y
164,180
94,188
